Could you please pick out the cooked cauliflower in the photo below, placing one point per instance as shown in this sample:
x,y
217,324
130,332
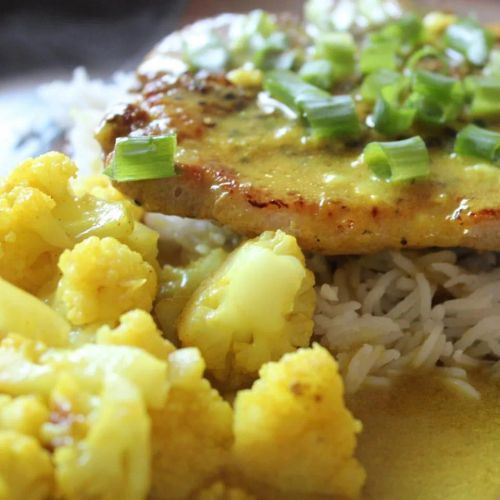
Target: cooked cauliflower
x,y
113,461
192,434
256,307
292,429
101,187
42,215
23,313
31,238
102,279
24,414
177,284
26,472
221,491
137,329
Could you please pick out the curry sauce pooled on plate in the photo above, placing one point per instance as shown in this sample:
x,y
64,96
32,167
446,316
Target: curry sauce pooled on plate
x,y
181,360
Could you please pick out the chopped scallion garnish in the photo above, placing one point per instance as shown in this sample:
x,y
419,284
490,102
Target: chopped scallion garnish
x,y
327,115
428,52
478,142
389,116
485,97
319,73
339,49
439,99
469,38
403,160
330,116
379,55
142,158
376,81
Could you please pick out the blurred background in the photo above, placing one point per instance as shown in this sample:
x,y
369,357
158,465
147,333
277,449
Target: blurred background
x,y
43,41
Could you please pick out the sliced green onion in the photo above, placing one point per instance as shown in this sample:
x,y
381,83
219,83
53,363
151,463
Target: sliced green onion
x,y
330,116
380,55
478,142
376,81
269,49
340,49
405,32
493,66
427,52
439,99
142,158
399,160
389,116
469,38
485,97
285,86
327,115
319,72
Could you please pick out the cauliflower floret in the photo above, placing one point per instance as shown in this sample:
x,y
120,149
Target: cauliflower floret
x,y
256,307
293,431
221,491
24,414
26,472
113,461
144,240
191,435
102,279
101,187
137,329
177,284
22,313
31,239
49,173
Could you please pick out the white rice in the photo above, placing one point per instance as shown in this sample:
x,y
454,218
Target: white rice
x,y
381,315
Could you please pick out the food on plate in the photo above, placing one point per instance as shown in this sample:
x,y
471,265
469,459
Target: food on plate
x,y
240,319
152,356
264,145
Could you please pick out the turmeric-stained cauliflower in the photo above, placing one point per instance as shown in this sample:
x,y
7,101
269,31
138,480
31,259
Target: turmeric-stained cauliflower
x,y
102,279
293,431
42,215
256,307
177,284
221,491
137,329
24,414
31,238
26,472
192,434
113,460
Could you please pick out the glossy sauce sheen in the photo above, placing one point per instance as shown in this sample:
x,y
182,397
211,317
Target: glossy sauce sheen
x,y
255,171
437,444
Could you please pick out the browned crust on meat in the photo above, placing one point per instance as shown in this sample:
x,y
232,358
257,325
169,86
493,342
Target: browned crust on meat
x,y
213,192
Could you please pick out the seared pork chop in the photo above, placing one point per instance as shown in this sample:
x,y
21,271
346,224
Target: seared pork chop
x,y
253,169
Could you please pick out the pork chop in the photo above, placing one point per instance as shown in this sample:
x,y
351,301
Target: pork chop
x,y
254,169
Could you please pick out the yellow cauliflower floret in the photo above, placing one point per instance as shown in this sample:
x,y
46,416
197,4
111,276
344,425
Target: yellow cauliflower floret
x,y
191,435
256,307
26,472
293,431
101,187
113,461
144,240
24,414
49,173
137,329
31,239
102,279
23,313
177,284
221,491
